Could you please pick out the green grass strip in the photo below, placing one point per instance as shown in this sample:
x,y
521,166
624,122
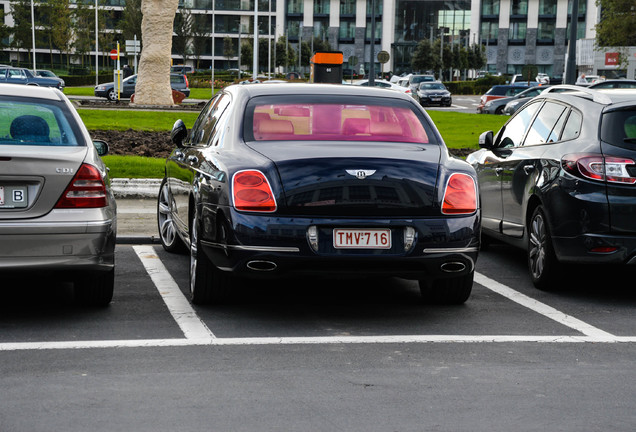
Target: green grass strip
x,y
134,166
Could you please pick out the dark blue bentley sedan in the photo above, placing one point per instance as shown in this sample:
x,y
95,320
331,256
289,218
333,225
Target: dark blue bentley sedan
x,y
322,180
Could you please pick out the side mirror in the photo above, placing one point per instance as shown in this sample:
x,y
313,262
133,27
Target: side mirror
x,y
101,147
179,133
485,140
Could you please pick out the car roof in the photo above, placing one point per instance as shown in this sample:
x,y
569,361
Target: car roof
x,y
608,97
38,92
314,89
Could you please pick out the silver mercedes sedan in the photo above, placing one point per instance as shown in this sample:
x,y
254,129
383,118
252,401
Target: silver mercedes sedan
x,y
57,212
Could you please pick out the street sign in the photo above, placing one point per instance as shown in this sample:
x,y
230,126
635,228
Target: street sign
x,y
383,56
113,54
133,46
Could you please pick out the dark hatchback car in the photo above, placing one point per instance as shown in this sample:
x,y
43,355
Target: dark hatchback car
x,y
434,93
320,180
559,179
178,82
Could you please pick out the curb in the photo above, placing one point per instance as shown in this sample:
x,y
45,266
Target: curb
x,y
135,188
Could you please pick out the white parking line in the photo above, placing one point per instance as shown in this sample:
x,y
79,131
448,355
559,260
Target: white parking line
x,y
543,309
197,333
187,319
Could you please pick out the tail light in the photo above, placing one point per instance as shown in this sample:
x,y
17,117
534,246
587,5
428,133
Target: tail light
x,y
185,77
252,192
599,168
460,196
86,190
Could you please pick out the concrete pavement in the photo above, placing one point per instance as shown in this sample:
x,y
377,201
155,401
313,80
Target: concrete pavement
x,y
136,210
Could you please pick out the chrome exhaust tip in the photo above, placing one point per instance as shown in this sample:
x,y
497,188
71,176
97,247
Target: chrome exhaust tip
x,y
453,267
263,266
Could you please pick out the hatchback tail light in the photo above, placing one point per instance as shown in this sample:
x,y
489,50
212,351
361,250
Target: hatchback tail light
x,y
252,192
599,168
185,77
460,196
86,190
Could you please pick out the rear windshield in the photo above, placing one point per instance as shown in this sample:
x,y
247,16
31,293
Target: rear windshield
x,y
334,119
619,128
23,122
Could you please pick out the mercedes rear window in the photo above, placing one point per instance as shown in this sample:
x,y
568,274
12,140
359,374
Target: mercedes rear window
x,y
334,119
619,128
37,122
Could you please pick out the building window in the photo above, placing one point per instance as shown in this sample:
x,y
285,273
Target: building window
x,y
517,33
580,30
490,7
295,6
321,7
489,32
545,32
347,7
519,8
347,30
378,30
547,7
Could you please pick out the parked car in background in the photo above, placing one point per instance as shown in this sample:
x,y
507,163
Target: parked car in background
x,y
496,106
433,93
415,80
318,179
57,212
182,69
614,84
45,73
384,84
512,106
542,78
178,82
498,92
14,75
587,80
559,180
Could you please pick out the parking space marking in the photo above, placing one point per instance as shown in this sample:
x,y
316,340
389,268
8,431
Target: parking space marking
x,y
180,308
543,309
198,334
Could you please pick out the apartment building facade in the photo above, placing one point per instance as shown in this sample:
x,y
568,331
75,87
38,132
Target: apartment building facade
x,y
513,32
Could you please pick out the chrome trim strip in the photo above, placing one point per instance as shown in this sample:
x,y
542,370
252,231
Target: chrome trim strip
x,y
450,250
252,248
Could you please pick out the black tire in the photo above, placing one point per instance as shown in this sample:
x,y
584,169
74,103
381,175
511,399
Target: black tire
x,y
112,95
168,234
207,283
499,110
448,291
95,290
542,261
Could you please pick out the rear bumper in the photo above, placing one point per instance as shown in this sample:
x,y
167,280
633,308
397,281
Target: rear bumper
x,y
263,246
580,249
85,246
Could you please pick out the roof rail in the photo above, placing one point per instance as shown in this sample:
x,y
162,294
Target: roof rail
x,y
596,95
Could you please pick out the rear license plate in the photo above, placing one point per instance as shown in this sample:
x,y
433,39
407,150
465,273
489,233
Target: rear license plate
x,y
361,238
13,196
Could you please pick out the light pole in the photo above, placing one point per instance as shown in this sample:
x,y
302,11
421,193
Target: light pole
x,y
269,42
96,47
212,67
371,55
255,54
33,35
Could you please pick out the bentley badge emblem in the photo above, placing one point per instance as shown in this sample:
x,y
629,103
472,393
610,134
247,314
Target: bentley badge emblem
x,y
360,173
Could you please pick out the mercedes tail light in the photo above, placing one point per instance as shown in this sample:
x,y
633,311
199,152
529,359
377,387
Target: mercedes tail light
x,y
600,168
460,196
86,190
252,192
